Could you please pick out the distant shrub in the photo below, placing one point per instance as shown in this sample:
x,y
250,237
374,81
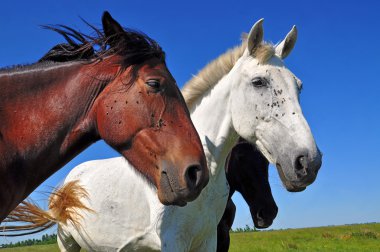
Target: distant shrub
x,y
245,229
362,234
367,234
45,239
346,237
327,235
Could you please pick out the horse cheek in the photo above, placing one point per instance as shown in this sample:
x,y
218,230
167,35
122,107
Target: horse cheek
x,y
110,125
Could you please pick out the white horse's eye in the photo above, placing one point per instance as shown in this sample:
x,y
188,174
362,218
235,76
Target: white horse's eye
x,y
259,82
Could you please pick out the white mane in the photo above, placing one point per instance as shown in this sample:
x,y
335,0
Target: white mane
x,y
209,76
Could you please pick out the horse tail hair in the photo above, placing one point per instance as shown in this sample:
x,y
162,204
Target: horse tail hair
x,y
64,207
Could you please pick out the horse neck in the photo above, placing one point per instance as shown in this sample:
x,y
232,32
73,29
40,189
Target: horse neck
x,y
44,123
212,119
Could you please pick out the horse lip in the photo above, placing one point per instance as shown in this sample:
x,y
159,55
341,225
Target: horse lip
x,y
296,189
288,185
180,203
262,223
166,181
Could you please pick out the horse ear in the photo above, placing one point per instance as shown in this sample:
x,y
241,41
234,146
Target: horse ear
x,y
111,28
287,45
255,36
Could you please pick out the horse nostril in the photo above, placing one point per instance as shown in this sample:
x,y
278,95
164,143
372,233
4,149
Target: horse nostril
x,y
193,176
301,163
259,214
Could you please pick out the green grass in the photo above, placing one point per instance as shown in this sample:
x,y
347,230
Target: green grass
x,y
362,237
35,248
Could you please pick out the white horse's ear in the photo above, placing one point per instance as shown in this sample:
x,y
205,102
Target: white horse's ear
x,y
287,45
255,36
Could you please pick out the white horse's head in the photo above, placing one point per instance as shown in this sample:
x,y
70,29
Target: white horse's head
x,y
278,127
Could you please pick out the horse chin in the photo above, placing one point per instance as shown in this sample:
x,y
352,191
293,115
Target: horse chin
x,y
167,195
261,224
170,199
295,189
290,187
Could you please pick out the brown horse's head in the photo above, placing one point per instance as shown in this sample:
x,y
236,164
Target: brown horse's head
x,y
141,113
247,173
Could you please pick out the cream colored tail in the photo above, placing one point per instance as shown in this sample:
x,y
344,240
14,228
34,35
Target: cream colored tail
x,y
64,207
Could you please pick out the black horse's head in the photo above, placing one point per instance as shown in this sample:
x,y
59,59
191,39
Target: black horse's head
x,y
247,173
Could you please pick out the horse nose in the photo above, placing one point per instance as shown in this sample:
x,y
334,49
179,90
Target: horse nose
x,y
264,217
179,186
260,214
193,176
268,213
301,166
307,167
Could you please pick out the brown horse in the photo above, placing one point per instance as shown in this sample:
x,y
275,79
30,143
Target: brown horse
x,y
113,86
247,173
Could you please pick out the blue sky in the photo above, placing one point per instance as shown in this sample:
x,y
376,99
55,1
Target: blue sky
x,y
336,56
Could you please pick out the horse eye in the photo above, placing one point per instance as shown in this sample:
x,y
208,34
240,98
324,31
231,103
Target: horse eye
x,y
153,84
259,82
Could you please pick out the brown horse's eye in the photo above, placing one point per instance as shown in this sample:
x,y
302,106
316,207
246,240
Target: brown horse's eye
x,y
154,84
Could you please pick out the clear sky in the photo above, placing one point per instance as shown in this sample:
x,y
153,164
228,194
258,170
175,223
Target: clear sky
x,y
336,56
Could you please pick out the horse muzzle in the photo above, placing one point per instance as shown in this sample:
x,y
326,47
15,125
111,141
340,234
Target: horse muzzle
x,y
175,189
263,217
301,173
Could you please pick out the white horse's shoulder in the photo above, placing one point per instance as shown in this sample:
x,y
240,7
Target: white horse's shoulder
x,y
93,167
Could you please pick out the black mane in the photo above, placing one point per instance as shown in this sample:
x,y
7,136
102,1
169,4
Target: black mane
x,y
135,47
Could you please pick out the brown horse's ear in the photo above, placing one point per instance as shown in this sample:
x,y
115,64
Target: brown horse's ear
x,y
112,29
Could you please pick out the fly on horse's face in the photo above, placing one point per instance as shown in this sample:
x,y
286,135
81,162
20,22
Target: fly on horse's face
x,y
282,133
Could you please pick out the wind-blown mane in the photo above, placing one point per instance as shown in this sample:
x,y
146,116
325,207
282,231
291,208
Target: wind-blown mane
x,y
134,48
210,75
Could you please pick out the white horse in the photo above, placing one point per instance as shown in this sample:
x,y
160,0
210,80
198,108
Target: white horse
x,y
247,91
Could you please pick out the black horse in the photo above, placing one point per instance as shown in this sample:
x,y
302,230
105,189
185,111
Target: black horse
x,y
247,173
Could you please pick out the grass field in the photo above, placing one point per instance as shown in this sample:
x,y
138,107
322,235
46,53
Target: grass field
x,y
361,238
36,248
